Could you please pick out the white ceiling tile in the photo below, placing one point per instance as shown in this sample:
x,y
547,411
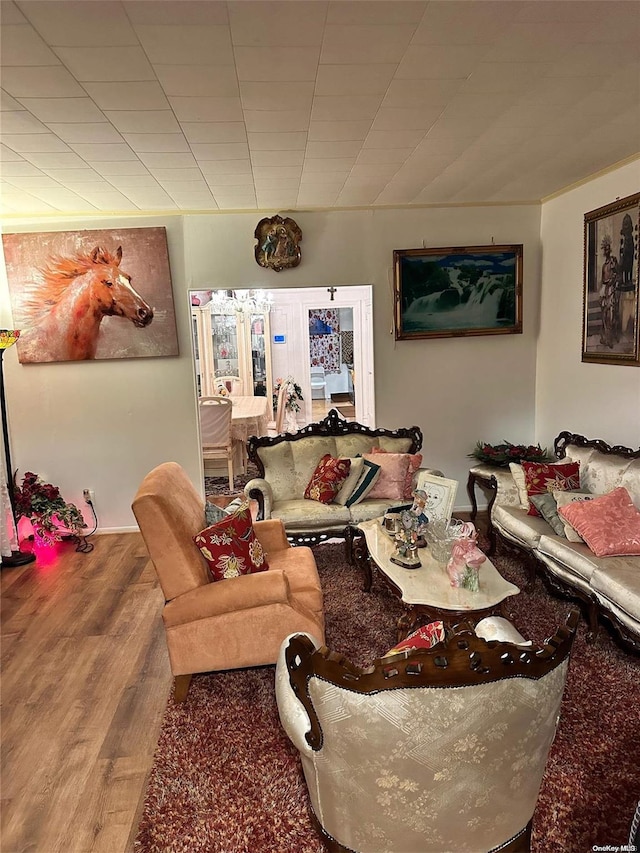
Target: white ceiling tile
x,y
11,14
149,198
51,81
327,131
157,142
407,118
21,45
463,23
121,167
230,181
266,96
107,199
333,149
376,11
277,23
504,77
434,62
353,79
61,199
420,94
277,141
188,198
86,132
393,138
198,186
237,196
263,121
63,109
8,155
345,108
353,195
383,155
376,171
21,121
192,174
56,161
143,121
332,179
283,63
320,197
207,109
198,80
108,152
274,158
168,161
25,203
107,64
272,182
7,102
220,151
128,96
76,22
325,165
93,187
84,176
397,194
213,168
183,12
283,172
364,43
26,142
200,44
19,168
276,200
122,182
31,182
214,131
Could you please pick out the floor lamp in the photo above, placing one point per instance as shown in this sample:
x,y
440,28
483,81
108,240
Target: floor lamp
x,y
8,337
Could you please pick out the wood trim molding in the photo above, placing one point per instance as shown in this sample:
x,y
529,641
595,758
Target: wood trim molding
x,y
560,443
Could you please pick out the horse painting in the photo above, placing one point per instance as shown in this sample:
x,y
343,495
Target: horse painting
x,y
61,315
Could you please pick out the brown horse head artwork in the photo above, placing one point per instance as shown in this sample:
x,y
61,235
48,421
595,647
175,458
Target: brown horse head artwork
x,y
64,312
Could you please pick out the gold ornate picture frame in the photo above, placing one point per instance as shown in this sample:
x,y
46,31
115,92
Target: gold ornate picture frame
x,y
278,245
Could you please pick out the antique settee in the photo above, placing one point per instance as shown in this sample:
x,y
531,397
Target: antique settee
x,y
286,463
609,586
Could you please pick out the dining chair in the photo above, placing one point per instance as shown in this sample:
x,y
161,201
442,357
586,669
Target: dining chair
x,y
233,385
215,431
275,426
318,383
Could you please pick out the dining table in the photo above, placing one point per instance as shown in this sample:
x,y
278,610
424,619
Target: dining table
x,y
249,416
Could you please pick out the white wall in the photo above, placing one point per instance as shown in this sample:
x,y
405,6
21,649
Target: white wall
x,y
595,400
103,425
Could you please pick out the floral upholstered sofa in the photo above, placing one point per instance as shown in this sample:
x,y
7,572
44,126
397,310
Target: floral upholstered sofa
x,y
286,463
608,585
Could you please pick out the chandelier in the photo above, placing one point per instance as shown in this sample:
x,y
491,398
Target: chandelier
x,y
240,301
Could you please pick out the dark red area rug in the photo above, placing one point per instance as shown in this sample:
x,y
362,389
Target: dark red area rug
x,y
226,779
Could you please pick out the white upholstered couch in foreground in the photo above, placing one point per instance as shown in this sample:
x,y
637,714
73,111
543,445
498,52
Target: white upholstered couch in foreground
x,y
609,586
286,463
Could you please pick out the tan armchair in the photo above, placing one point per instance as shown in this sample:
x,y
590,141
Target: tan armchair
x,y
424,752
229,624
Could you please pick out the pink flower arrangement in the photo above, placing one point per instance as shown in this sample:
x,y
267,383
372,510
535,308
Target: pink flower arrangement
x,y
51,516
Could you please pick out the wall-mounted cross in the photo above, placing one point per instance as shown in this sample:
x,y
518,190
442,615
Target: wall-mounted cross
x,y
332,290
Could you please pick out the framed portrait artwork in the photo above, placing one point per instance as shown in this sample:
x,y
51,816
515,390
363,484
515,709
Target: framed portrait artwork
x,y
610,314
85,295
441,495
444,293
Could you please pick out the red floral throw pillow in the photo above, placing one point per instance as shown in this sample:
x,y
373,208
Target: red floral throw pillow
x,y
424,638
540,478
415,461
609,524
326,481
231,548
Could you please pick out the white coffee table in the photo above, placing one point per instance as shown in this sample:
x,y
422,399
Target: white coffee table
x,y
426,591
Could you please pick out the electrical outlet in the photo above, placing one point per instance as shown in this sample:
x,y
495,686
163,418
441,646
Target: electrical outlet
x,y
89,496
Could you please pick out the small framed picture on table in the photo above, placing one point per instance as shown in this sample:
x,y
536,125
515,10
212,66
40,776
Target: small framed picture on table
x,y
440,496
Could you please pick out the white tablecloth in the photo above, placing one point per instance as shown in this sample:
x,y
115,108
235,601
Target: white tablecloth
x,y
249,416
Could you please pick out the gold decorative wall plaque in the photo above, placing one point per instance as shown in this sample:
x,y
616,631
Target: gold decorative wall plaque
x,y
278,243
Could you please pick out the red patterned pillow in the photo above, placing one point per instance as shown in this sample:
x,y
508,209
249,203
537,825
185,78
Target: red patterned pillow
x,y
424,638
326,481
609,524
230,546
415,461
540,477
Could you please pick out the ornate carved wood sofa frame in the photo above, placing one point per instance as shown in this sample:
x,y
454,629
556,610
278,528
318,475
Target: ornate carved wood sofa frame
x,y
286,462
606,586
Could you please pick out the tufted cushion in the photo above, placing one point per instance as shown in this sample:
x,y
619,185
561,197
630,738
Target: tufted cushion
x,y
230,547
327,479
609,524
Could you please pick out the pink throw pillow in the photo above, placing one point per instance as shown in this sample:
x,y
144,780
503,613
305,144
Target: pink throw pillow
x,y
609,524
415,461
393,475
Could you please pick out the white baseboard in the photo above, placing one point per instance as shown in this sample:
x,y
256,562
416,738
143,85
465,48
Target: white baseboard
x,y
106,530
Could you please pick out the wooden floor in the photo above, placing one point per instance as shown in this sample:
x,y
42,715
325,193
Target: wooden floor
x,y
85,681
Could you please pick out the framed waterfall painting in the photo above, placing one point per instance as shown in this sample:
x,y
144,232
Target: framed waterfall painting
x,y
453,292
610,309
